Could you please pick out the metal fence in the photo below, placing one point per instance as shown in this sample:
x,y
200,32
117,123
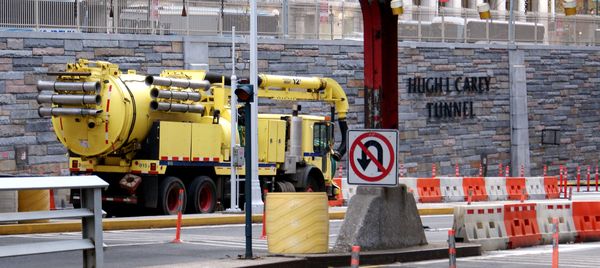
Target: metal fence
x,y
283,19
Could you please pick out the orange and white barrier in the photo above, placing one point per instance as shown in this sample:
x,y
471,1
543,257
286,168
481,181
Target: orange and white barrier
x,y
497,226
457,189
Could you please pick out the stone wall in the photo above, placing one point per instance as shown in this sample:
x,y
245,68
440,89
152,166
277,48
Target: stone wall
x,y
562,93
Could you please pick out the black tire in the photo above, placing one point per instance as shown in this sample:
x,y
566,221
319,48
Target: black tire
x,y
313,185
168,196
202,196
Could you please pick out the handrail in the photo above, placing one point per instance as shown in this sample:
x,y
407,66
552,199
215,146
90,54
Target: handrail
x,y
90,213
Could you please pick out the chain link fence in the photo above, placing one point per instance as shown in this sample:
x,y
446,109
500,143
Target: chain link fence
x,y
299,19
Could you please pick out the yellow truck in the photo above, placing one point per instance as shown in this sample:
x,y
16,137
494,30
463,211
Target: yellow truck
x,y
151,136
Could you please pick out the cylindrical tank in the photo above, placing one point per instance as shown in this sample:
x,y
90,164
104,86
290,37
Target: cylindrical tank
x,y
297,223
124,113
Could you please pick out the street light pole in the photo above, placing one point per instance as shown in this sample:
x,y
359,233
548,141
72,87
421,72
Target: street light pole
x,y
511,23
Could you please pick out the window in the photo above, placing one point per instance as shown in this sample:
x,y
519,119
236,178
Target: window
x,y
322,137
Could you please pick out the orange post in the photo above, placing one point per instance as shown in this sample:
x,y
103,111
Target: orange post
x,y
433,170
354,261
555,243
500,170
545,170
578,177
401,169
522,170
596,178
470,197
52,204
264,218
456,170
178,230
451,249
480,170
589,176
507,172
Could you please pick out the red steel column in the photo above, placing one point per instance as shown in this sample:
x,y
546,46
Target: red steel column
x,y
381,64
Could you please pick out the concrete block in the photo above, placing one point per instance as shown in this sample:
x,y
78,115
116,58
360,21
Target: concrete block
x,y
58,59
74,45
34,42
381,218
15,53
100,43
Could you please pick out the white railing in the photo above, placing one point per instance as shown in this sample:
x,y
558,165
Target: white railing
x,y
284,19
90,213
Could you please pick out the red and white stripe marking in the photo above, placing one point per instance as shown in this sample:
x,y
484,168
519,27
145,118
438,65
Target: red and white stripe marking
x,y
106,114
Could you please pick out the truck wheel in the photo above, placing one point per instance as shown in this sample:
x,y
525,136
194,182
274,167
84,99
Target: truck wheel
x,y
312,185
202,195
168,196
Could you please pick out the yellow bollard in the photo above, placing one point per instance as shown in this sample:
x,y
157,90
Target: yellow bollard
x,y
484,11
570,7
397,7
297,223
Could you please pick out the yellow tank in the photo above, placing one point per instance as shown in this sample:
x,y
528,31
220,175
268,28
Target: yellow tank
x,y
122,116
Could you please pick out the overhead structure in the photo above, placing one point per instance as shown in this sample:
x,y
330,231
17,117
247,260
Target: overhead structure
x,y
381,64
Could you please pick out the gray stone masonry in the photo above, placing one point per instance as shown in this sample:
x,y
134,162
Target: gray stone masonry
x,y
562,93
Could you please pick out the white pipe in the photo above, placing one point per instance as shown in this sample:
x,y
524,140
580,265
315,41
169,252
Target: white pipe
x,y
234,191
257,203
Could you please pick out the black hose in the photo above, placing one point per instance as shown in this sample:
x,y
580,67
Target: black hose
x,y
339,153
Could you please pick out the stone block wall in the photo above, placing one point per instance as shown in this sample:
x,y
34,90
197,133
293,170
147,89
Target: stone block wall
x,y
564,94
562,88
28,144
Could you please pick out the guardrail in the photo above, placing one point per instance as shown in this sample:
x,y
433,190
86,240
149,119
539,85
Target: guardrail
x,y
90,214
292,19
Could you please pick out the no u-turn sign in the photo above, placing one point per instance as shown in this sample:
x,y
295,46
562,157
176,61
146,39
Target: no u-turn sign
x,y
372,157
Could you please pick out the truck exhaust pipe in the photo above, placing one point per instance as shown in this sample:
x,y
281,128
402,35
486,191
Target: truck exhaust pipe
x,y
176,95
45,111
69,86
174,82
69,99
176,107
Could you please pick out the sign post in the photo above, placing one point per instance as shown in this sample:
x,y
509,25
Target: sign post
x,y
372,157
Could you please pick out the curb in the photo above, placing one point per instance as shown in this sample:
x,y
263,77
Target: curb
x,y
162,222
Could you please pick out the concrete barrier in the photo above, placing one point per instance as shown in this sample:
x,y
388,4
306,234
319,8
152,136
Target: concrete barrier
x,y
563,211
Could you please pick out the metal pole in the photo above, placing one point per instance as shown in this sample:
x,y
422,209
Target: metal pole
x,y
257,203
511,21
233,114
285,14
247,182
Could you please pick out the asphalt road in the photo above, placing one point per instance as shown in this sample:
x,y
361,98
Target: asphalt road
x,y
147,248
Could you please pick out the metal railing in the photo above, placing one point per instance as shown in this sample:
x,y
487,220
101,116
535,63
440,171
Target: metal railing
x,y
90,214
293,20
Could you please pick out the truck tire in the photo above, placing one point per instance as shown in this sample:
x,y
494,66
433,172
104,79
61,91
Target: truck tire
x,y
313,185
168,196
202,196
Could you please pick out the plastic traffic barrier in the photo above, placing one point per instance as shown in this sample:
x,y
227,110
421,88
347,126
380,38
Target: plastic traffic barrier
x,y
551,187
339,201
586,216
348,190
477,188
481,224
535,188
496,188
411,186
521,225
429,190
451,188
514,188
561,210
